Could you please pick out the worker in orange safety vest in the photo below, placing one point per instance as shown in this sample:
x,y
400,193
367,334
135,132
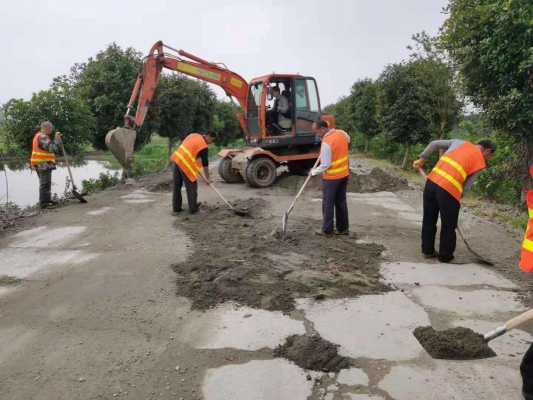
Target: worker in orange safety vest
x,y
526,265
452,176
190,160
43,161
335,169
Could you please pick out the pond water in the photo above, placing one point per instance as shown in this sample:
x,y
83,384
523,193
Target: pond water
x,y
23,183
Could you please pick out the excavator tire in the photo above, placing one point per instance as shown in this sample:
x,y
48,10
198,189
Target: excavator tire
x,y
261,172
227,173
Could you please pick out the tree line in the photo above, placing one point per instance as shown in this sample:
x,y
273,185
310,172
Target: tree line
x,y
474,79
91,99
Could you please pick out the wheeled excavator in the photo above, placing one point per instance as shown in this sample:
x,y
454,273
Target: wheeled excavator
x,y
271,142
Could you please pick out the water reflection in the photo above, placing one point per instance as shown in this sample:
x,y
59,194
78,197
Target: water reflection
x,y
24,184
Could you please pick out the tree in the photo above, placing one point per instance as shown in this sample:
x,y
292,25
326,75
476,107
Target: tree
x,y
404,108
181,106
438,71
225,123
363,104
492,43
61,105
105,82
342,112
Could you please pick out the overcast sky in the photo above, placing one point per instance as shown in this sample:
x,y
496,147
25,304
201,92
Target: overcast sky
x,y
336,41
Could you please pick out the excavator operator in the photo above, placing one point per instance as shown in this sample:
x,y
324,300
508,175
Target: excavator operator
x,y
277,117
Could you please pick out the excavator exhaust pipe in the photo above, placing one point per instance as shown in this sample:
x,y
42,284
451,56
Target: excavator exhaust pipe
x,y
121,141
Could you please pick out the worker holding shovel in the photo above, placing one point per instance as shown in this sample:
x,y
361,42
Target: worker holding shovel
x,y
189,160
451,177
335,169
43,160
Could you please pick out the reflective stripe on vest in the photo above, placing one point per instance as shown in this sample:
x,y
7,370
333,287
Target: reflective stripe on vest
x,y
187,153
340,165
454,167
38,155
526,256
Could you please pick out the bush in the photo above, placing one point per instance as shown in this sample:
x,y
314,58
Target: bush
x,y
104,181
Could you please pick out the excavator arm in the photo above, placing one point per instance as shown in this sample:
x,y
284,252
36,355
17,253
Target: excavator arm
x,y
181,61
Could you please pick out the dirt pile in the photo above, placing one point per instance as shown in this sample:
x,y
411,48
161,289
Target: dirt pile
x,y
377,180
238,259
6,280
453,344
312,352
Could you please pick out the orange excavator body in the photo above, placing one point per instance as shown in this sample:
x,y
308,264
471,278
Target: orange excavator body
x,y
293,144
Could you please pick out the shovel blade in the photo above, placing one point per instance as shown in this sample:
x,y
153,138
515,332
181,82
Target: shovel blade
x,y
284,221
120,142
79,196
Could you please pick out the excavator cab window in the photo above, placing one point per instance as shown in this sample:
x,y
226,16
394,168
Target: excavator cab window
x,y
307,104
254,102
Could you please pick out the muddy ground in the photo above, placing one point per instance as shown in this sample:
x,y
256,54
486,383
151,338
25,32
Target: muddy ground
x,y
375,180
243,259
313,353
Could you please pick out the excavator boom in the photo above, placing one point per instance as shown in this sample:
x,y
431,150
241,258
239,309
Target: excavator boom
x,y
181,61
120,141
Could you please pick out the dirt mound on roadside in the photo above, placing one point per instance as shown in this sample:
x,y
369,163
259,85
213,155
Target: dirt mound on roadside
x,y
377,180
312,352
453,344
239,259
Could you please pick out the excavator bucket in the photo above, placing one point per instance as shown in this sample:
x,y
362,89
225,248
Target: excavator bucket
x,y
121,141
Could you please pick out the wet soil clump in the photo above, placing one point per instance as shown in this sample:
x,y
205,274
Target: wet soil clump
x,y
453,344
6,280
313,353
377,180
238,259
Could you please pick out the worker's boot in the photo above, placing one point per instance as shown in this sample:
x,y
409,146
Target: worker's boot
x,y
445,259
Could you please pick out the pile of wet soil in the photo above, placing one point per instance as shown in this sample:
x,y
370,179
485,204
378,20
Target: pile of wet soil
x,y
313,353
158,182
6,280
377,180
239,259
453,344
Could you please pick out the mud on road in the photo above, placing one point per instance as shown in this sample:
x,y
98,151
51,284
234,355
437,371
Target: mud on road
x,y
240,259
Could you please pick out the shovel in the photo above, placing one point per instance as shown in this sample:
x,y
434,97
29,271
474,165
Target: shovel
x,y
513,323
67,163
239,211
285,217
479,257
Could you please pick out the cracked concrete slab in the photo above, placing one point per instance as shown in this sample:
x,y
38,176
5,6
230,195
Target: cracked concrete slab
x,y
373,326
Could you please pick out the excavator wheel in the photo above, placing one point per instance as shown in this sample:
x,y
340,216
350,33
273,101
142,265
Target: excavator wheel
x,y
261,172
227,173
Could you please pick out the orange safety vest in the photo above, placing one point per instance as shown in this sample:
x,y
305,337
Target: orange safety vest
x,y
38,155
526,256
340,164
186,155
454,167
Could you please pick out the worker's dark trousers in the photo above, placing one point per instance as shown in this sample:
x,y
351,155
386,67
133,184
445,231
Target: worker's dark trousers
x,y
334,205
526,369
45,185
192,190
439,201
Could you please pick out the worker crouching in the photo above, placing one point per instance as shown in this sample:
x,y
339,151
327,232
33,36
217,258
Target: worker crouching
x,y
43,160
335,169
452,176
190,160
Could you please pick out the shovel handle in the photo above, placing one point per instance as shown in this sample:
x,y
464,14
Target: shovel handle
x,y
216,191
67,164
302,188
519,320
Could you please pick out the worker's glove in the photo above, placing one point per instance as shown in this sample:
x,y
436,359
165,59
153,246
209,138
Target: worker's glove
x,y
315,171
419,164
58,137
